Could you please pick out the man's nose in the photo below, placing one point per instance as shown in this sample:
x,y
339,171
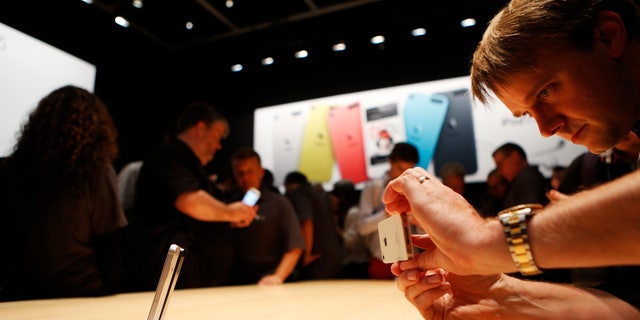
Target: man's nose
x,y
548,125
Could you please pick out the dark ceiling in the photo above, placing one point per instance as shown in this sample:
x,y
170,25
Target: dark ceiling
x,y
156,64
249,30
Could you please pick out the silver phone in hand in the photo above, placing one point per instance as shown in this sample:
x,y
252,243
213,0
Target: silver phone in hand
x,y
167,282
395,238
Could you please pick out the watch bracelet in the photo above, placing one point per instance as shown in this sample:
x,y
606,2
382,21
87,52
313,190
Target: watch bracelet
x,y
514,220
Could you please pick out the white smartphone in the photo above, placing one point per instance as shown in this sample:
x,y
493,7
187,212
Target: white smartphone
x,y
288,129
395,238
251,197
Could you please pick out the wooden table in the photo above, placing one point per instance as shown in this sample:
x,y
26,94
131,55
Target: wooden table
x,y
326,300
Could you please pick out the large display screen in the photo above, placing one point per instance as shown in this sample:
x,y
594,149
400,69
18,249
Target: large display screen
x,y
29,70
350,136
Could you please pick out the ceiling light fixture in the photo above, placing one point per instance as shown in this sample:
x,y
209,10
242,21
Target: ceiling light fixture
x,y
267,61
377,40
88,1
468,22
301,54
229,3
188,25
120,20
137,3
236,67
340,46
417,32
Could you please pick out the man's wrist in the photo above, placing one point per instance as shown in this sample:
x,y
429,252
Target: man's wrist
x,y
501,261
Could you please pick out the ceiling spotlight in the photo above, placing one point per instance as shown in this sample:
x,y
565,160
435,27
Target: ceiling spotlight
x,y
267,61
377,40
229,3
120,20
137,3
236,67
88,1
340,46
188,25
417,32
468,22
301,54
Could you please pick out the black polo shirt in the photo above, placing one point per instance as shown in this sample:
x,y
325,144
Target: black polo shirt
x,y
169,171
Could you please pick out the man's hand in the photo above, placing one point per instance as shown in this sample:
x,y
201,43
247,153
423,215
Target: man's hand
x,y
271,280
241,214
456,237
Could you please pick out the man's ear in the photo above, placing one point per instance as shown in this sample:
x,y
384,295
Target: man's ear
x,y
610,32
201,128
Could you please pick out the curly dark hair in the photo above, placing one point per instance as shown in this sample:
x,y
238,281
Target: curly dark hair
x,y
69,134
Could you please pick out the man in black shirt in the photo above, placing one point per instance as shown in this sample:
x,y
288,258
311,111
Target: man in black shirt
x,y
176,202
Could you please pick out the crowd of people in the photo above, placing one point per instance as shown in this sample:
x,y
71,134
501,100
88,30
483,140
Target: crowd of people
x,y
123,225
532,248
301,233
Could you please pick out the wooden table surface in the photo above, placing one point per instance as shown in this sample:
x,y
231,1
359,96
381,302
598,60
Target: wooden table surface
x,y
325,299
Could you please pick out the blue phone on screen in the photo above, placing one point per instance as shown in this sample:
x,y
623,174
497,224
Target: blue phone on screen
x,y
424,116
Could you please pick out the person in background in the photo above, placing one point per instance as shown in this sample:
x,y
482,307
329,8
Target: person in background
x,y
322,257
269,182
557,174
491,201
571,66
452,175
589,170
127,179
267,250
526,183
176,202
59,208
372,210
344,201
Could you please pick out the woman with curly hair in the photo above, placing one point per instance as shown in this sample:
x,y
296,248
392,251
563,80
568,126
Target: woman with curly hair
x,y
61,214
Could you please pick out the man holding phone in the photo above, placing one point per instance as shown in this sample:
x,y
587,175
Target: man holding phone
x,y
176,202
572,67
268,250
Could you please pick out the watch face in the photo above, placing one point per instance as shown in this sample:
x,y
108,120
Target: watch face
x,y
528,208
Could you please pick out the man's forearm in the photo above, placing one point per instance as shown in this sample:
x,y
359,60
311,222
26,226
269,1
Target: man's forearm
x,y
540,300
307,233
288,263
202,206
597,227
593,228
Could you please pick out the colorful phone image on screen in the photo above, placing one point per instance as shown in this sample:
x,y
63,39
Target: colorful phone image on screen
x,y
457,141
383,127
423,118
288,128
316,156
345,129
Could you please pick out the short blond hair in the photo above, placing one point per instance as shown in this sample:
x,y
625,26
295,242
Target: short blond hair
x,y
514,35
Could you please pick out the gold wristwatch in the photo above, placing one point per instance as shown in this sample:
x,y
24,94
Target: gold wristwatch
x,y
514,220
